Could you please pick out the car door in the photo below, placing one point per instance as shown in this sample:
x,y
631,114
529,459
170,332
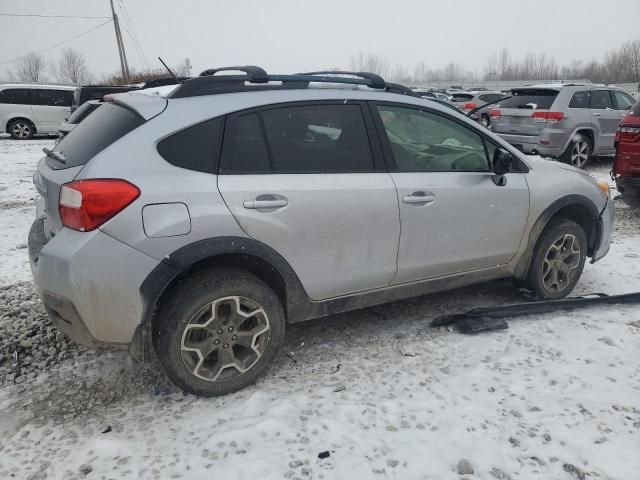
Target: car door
x,y
605,118
14,103
303,179
454,218
51,108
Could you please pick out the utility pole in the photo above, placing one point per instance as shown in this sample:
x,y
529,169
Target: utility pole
x,y
124,66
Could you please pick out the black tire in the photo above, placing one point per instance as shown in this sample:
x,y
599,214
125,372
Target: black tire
x,y
180,318
579,151
630,194
554,252
21,129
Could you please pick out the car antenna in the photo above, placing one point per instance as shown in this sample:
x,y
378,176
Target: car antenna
x,y
168,69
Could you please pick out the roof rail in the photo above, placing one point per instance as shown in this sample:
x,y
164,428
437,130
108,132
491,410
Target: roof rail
x,y
208,83
376,80
255,74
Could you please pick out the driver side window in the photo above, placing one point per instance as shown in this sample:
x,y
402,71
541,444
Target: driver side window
x,y
427,142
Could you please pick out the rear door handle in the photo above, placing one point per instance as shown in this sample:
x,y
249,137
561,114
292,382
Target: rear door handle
x,y
419,198
257,204
596,114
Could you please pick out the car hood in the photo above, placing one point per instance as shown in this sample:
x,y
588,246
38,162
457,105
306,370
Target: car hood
x,y
539,162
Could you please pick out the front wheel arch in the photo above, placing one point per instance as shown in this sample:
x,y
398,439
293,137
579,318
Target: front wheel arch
x,y
574,207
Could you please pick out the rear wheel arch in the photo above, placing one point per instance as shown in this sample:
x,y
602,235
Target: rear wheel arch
x,y
224,252
587,132
21,118
574,207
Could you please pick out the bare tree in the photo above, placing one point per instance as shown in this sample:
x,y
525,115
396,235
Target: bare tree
x,y
72,67
30,68
630,58
400,74
370,63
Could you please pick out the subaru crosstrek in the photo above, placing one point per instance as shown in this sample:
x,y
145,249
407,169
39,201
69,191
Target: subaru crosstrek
x,y
199,220
565,121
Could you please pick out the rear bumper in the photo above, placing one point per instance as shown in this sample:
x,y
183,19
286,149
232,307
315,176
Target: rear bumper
x,y
606,220
89,284
627,181
553,143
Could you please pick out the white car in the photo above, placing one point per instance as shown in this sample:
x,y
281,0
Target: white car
x,y
27,110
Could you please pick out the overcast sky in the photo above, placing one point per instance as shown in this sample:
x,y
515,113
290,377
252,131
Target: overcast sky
x,y
287,35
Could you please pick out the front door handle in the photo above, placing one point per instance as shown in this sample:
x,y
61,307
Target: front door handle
x,y
259,203
419,198
596,114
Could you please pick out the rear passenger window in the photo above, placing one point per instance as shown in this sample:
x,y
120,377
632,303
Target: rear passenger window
x,y
623,101
579,100
318,139
600,99
194,148
53,98
20,96
304,139
244,149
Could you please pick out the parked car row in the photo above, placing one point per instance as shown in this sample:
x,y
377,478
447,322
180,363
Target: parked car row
x,y
33,109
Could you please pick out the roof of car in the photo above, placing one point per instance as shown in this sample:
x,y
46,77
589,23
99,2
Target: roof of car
x,y
36,86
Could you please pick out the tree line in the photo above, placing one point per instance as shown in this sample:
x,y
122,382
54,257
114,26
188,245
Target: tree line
x,y
620,65
71,67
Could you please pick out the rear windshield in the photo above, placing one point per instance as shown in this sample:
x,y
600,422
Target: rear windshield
x,y
461,97
99,130
78,115
530,99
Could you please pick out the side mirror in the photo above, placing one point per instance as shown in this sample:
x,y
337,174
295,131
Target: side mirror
x,y
502,162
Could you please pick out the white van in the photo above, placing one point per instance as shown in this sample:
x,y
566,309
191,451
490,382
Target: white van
x,y
28,110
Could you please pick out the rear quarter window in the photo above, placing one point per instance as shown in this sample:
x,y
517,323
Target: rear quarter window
x,y
194,148
103,127
530,99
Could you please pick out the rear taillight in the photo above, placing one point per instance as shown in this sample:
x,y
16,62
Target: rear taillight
x,y
469,106
628,134
86,204
549,117
495,113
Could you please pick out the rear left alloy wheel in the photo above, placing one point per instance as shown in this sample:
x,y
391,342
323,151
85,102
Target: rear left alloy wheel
x,y
578,152
218,332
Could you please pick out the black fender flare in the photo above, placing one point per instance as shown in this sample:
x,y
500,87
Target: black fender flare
x,y
185,257
522,267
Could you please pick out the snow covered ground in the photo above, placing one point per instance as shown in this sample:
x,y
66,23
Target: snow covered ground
x,y
556,396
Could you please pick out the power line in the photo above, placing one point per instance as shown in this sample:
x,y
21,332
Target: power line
x,y
47,16
132,34
58,44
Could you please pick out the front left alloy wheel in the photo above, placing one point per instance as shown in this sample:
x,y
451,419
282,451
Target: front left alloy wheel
x,y
21,129
558,259
218,331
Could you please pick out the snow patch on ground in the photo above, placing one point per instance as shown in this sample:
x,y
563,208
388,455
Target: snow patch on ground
x,y
384,394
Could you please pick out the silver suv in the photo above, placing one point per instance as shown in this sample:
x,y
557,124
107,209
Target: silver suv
x,y
200,220
570,122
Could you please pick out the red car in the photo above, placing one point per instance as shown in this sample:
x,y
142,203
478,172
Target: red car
x,y
626,166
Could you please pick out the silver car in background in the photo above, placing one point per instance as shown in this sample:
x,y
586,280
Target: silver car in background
x,y
570,122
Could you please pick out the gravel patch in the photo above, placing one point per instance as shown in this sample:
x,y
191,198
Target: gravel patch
x,y
29,343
